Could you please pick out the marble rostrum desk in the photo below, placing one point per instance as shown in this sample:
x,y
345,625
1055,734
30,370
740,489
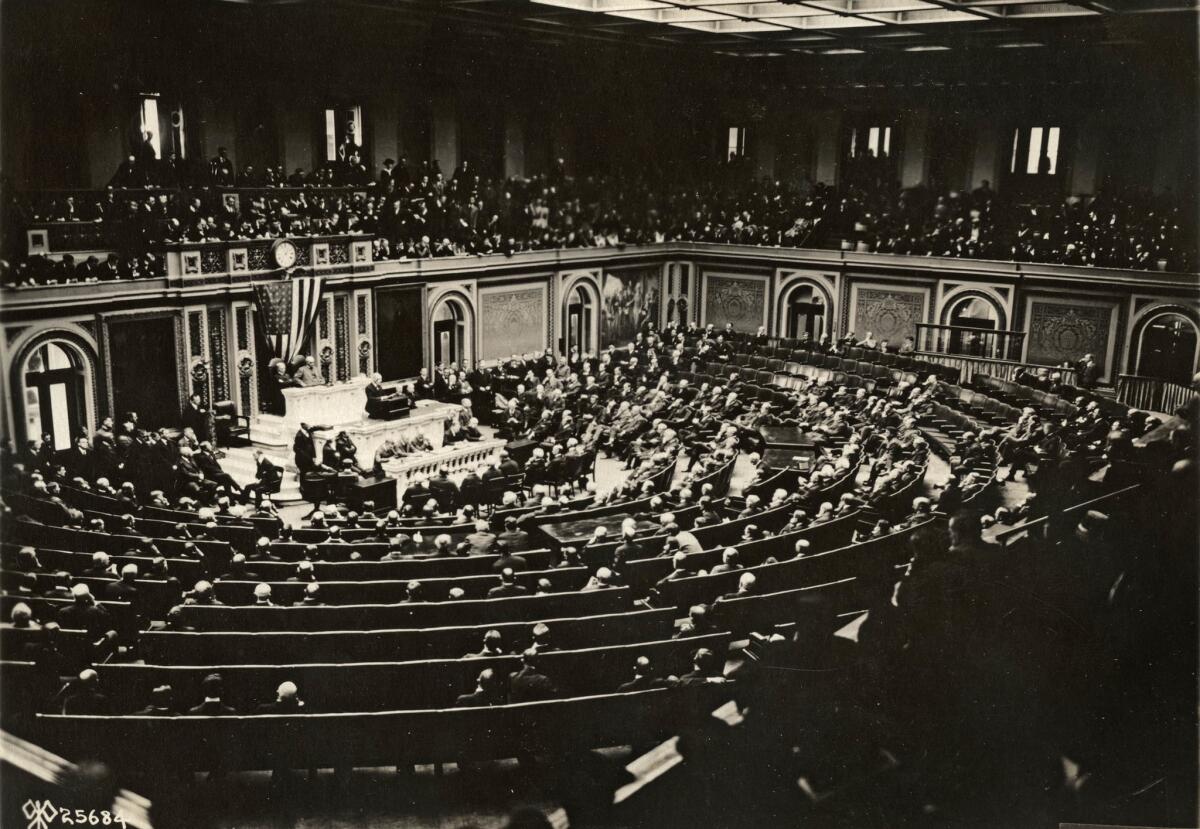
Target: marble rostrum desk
x,y
342,407
330,405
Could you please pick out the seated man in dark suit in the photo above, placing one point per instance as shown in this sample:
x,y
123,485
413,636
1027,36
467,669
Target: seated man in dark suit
x,y
212,686
444,489
86,698
85,614
268,473
516,539
507,558
508,586
126,589
705,668
162,703
287,701
488,691
482,539
508,466
643,677
529,684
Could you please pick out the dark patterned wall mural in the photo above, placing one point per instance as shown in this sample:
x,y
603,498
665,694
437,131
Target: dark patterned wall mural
x,y
1062,330
888,313
631,299
735,299
511,322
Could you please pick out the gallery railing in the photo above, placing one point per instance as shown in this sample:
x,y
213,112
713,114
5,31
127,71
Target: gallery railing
x,y
970,342
1153,394
1004,369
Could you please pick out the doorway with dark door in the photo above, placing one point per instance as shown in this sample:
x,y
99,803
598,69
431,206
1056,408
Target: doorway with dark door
x,y
1168,349
399,352
973,322
806,314
580,314
449,333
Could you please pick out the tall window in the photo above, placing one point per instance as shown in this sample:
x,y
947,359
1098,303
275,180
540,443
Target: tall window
x,y
737,142
1035,151
871,141
343,132
149,122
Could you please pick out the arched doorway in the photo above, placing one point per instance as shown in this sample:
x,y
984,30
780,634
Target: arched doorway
x,y
449,332
805,313
581,318
972,312
55,393
1167,348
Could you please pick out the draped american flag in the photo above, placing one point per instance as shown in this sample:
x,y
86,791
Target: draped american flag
x,y
285,310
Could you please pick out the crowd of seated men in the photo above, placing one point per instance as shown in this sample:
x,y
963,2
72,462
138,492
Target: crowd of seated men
x,y
940,634
417,211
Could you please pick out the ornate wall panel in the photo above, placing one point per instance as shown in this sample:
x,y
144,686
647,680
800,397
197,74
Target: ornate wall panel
x,y
243,359
363,335
512,321
199,378
1066,329
341,330
741,300
889,313
322,348
218,353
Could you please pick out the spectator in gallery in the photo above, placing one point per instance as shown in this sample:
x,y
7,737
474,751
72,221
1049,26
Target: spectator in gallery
x,y
221,169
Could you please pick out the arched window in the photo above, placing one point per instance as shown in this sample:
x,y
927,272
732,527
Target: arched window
x,y
581,316
54,397
449,333
1167,348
